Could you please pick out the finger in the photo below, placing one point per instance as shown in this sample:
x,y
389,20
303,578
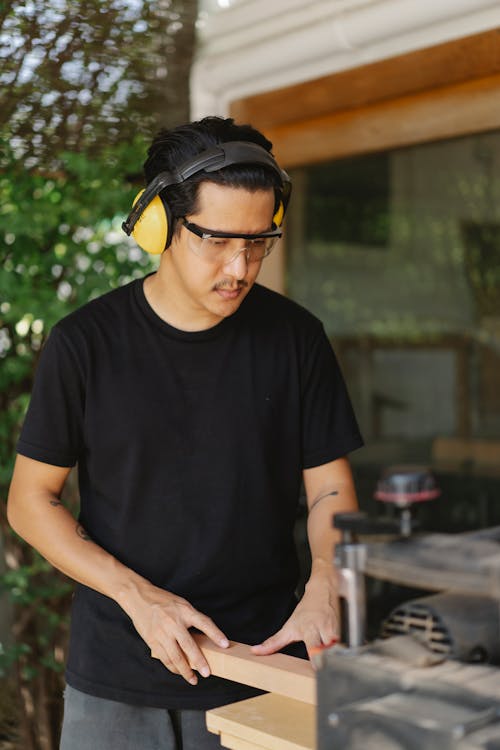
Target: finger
x,y
314,650
329,635
179,662
274,643
315,653
193,653
311,636
208,626
158,652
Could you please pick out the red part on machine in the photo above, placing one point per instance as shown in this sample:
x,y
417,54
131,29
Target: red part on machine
x,y
405,485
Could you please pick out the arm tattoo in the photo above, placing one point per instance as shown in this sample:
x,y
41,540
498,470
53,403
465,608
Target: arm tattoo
x,y
322,497
82,533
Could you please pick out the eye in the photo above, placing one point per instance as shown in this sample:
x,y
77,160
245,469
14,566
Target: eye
x,y
218,242
258,243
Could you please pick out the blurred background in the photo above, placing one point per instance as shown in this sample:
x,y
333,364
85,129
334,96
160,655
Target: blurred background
x,y
386,113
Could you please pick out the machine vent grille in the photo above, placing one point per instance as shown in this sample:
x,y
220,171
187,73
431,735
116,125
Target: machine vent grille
x,y
418,620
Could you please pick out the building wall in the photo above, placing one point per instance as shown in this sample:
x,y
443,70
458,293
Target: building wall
x,y
252,48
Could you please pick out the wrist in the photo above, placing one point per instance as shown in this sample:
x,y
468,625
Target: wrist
x,y
131,592
323,573
322,566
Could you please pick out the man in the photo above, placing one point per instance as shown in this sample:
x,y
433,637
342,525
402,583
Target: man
x,y
195,402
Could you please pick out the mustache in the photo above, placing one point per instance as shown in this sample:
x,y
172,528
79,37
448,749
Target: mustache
x,y
228,283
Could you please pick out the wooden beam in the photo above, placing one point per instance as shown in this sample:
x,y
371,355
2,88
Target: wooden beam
x,y
480,453
457,61
277,673
462,109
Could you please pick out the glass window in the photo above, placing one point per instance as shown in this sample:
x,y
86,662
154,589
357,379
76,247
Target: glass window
x,y
351,202
399,254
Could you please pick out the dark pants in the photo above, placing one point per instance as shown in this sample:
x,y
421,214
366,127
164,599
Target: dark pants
x,y
92,723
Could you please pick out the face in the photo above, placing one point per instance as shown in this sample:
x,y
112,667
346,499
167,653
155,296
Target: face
x,y
205,292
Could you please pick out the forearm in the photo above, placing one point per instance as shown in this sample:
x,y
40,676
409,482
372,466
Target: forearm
x,y
161,618
44,522
315,620
332,492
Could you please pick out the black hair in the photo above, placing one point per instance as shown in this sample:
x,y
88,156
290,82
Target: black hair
x,y
172,148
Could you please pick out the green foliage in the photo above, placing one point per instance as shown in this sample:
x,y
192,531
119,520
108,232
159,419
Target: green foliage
x,y
40,595
83,85
63,245
79,74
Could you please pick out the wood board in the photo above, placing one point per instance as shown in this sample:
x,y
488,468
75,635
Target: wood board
x,y
277,673
268,722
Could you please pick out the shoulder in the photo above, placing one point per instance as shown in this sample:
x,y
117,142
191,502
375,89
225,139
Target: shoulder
x,y
105,312
94,328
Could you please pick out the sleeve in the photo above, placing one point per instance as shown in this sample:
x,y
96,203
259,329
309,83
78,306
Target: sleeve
x,y
329,426
53,427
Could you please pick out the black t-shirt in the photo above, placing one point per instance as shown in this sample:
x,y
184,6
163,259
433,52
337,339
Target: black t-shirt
x,y
190,448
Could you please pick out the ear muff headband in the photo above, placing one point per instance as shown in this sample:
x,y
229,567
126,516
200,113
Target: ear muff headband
x,y
150,220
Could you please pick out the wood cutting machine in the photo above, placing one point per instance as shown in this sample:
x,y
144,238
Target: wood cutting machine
x,y
430,679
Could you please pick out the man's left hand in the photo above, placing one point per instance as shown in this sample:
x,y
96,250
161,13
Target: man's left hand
x,y
315,620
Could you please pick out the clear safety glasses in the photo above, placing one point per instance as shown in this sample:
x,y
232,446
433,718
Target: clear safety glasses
x,y
224,247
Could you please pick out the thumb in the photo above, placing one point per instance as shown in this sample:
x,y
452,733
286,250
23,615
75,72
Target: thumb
x,y
272,644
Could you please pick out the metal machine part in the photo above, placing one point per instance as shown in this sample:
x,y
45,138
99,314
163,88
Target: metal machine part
x,y
467,563
457,626
367,702
351,562
410,691
405,485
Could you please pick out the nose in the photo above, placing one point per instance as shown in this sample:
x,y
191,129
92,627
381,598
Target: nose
x,y
238,264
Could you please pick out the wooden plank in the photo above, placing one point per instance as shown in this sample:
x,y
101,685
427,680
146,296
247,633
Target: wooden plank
x,y
276,673
236,743
269,721
456,61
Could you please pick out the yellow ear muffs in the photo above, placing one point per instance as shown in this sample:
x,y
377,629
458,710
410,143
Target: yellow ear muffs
x,y
151,228
150,221
279,215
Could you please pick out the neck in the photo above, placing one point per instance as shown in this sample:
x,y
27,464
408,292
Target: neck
x,y
171,303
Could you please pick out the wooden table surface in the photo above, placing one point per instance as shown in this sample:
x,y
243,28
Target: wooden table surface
x,y
268,722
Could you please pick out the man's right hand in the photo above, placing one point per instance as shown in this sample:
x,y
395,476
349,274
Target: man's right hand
x,y
163,619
